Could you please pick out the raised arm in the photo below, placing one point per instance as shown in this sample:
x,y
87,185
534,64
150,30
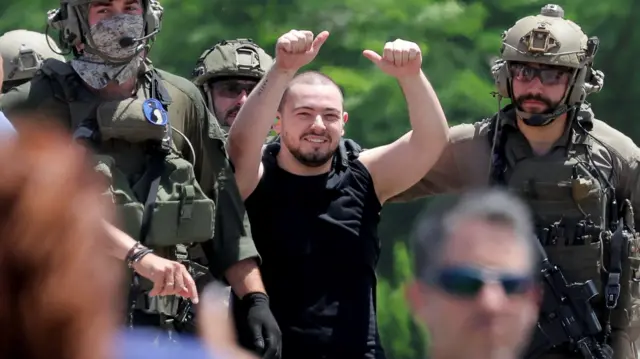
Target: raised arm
x,y
253,123
397,166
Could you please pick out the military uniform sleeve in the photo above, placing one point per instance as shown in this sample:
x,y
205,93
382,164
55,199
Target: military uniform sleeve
x,y
630,180
35,97
450,174
16,101
626,166
232,240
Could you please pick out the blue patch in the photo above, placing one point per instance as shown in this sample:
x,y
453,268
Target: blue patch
x,y
154,112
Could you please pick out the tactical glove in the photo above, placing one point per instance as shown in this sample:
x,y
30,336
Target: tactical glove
x,y
267,338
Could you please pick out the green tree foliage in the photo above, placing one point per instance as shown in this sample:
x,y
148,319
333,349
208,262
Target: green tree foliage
x,y
459,39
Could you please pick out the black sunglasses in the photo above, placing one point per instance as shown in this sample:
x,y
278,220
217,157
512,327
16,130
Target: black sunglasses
x,y
468,281
232,88
547,75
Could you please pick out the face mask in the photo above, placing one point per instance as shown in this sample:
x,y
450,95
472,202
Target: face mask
x,y
106,35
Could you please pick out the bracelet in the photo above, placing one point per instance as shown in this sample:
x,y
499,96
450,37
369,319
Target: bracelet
x,y
133,256
138,256
127,258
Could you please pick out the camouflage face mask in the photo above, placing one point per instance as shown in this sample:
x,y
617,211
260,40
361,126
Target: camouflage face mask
x,y
106,35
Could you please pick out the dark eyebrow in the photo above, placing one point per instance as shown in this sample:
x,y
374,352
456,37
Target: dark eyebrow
x,y
329,109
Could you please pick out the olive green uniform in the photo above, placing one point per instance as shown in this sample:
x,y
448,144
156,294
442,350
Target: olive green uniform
x,y
465,164
230,59
59,92
188,114
578,191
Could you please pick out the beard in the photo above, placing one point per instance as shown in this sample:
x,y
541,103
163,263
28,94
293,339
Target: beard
x,y
233,111
550,105
314,158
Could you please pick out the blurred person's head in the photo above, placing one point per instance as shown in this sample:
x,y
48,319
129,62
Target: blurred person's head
x,y
476,276
58,294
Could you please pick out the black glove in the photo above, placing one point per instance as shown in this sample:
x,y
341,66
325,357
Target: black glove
x,y
267,338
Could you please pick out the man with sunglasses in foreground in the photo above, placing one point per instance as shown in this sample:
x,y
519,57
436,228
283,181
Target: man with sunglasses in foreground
x,y
580,176
477,304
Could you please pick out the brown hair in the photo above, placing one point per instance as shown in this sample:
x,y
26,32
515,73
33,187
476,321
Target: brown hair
x,y
58,294
309,78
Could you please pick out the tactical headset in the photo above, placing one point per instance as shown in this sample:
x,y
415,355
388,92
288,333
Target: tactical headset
x,y
585,79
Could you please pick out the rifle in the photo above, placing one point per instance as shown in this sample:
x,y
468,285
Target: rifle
x,y
566,316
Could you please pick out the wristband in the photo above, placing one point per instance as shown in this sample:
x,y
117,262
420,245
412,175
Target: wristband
x,y
133,256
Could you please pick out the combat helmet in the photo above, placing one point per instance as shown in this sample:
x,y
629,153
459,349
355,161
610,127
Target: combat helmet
x,y
23,53
239,58
550,39
71,20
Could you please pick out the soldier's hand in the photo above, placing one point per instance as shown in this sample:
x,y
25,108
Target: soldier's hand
x,y
399,58
168,277
298,48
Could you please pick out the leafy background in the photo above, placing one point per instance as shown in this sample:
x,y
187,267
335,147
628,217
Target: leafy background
x,y
459,39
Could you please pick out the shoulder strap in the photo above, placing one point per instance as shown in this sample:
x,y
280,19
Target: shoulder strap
x,y
63,75
68,88
497,140
157,89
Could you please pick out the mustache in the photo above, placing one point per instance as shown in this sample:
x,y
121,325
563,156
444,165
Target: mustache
x,y
312,133
532,97
235,109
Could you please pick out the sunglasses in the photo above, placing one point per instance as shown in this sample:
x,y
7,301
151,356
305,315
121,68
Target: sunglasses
x,y
547,75
467,282
232,88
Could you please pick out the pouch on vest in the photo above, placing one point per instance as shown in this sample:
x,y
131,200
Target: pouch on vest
x,y
182,214
125,120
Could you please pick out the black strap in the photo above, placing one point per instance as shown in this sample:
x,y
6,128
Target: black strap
x,y
612,289
154,173
152,176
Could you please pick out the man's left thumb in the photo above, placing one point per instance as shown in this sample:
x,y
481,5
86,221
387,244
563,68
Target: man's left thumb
x,y
372,55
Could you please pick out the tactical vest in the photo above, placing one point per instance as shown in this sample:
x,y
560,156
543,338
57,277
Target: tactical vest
x,y
573,208
570,208
154,188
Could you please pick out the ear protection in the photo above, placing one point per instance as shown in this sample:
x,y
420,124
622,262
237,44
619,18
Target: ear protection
x,y
153,17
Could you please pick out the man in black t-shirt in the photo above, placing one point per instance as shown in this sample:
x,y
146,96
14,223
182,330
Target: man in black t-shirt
x,y
314,220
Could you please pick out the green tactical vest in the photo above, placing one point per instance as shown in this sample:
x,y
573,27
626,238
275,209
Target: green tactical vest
x,y
122,136
572,209
569,206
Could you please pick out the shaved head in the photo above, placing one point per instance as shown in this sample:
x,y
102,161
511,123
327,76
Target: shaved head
x,y
309,78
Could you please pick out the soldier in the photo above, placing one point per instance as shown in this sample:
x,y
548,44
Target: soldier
x,y
157,146
226,73
23,52
579,175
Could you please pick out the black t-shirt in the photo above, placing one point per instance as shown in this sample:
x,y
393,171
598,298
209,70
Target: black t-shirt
x,y
317,236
